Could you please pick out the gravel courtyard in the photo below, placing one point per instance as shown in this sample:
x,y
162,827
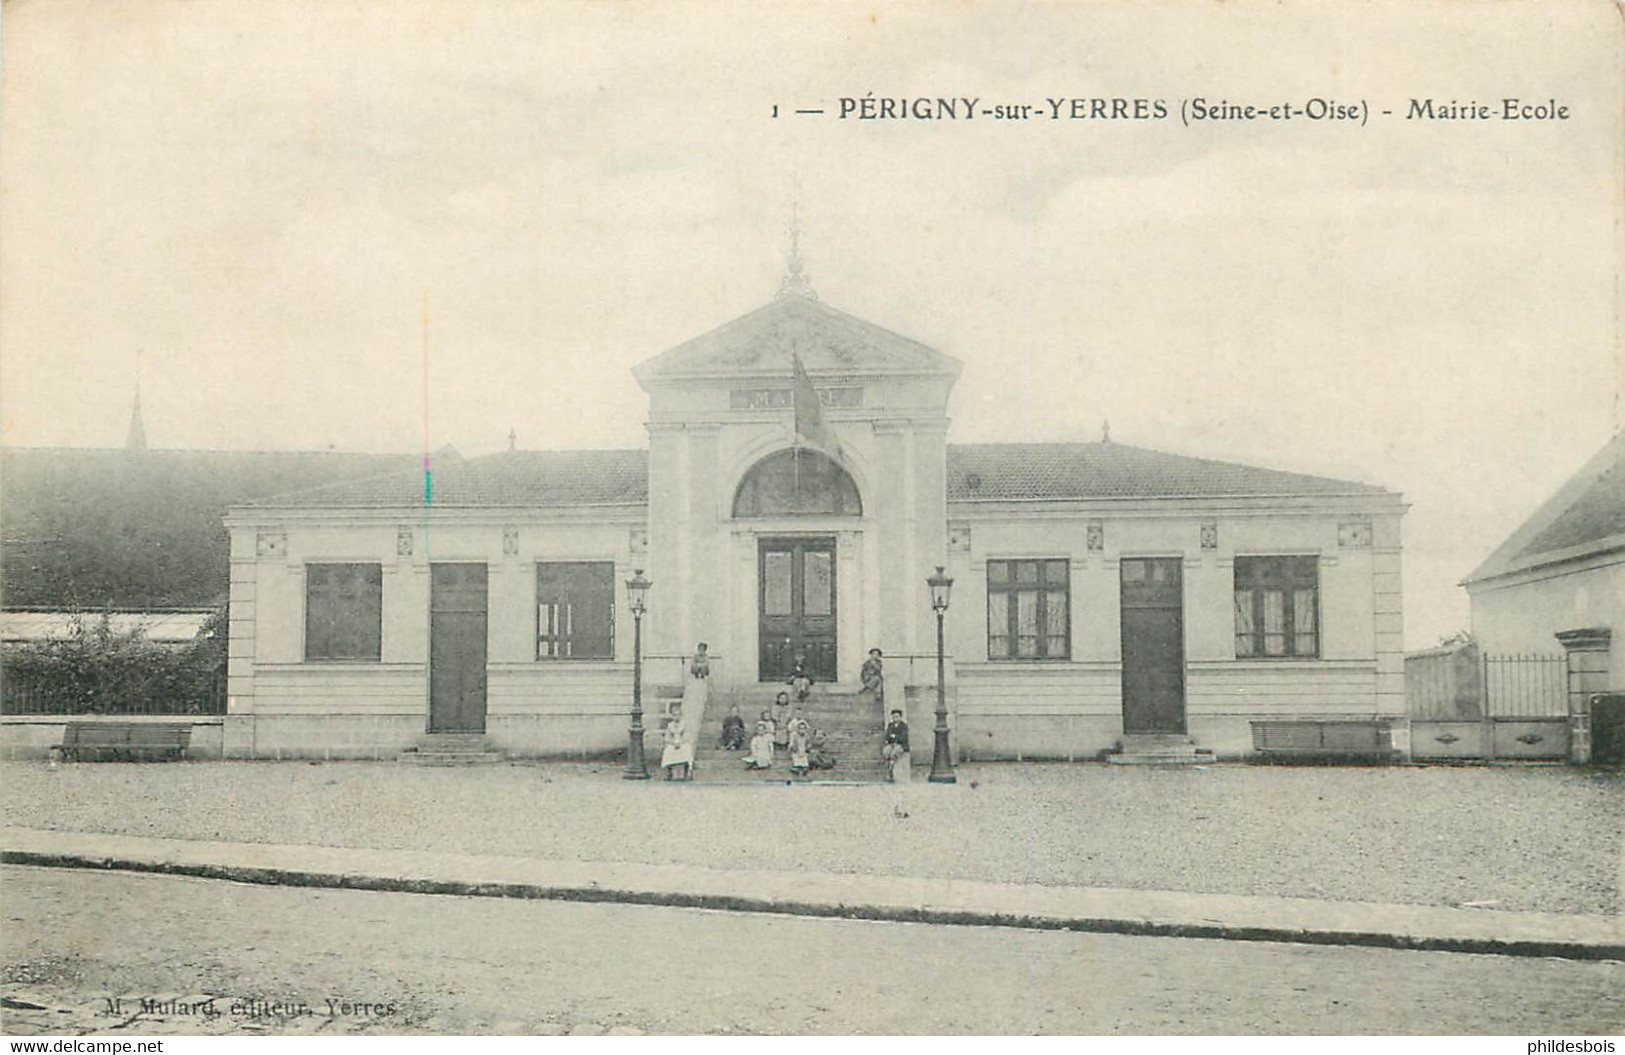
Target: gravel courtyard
x,y
1537,838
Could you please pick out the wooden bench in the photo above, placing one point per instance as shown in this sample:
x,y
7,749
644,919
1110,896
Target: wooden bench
x,y
124,741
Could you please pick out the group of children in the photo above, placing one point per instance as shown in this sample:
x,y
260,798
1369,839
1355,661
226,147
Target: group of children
x,y
779,729
783,729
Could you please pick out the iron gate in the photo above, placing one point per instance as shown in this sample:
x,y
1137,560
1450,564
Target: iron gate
x,y
1467,705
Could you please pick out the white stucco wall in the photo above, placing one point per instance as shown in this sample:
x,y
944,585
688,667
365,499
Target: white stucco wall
x,y
280,705
1073,708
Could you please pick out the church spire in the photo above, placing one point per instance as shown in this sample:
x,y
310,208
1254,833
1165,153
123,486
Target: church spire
x,y
136,438
796,281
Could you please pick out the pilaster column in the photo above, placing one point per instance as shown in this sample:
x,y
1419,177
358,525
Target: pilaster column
x,y
703,542
663,564
1588,674
890,512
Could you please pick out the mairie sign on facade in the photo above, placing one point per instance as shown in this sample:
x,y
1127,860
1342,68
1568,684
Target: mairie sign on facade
x,y
781,398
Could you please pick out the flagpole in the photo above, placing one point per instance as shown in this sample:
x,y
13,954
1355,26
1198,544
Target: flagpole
x,y
428,479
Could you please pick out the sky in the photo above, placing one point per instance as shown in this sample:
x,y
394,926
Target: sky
x,y
259,199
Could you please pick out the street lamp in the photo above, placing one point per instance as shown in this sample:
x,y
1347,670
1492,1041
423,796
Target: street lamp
x,y
637,589
942,767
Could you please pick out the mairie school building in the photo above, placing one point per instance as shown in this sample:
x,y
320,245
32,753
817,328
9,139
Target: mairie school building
x,y
1101,591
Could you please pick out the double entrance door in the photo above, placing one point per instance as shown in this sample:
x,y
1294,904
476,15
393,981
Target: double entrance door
x,y
796,604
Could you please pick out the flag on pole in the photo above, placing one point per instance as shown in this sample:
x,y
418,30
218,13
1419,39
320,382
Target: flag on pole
x,y
809,412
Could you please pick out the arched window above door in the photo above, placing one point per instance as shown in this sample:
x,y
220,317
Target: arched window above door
x,y
797,482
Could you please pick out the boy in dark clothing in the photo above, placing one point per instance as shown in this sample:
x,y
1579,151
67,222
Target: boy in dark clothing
x,y
896,749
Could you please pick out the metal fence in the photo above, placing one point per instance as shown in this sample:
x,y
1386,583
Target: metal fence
x,y
1526,686
24,695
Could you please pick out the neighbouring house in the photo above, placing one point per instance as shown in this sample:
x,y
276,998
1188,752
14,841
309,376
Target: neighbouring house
x,y
797,490
132,528
1558,584
163,626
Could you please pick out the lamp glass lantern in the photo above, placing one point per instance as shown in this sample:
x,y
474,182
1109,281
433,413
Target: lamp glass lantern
x,y
942,585
637,592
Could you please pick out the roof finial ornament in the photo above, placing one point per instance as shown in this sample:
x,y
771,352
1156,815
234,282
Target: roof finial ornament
x,y
513,438
1105,430
796,282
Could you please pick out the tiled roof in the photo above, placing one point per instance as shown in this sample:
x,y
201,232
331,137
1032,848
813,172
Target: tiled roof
x,y
526,479
1586,514
1002,472
1017,472
828,341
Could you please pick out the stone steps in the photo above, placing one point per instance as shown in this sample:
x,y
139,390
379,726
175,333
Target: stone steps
x,y
1158,749
852,735
452,749
452,758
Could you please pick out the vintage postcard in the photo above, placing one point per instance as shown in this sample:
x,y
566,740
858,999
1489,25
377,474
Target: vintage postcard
x,y
918,518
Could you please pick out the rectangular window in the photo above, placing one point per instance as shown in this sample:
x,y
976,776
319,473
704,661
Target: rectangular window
x,y
344,611
1028,605
575,610
1277,607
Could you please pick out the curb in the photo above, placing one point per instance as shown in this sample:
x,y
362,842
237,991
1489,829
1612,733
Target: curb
x,y
592,892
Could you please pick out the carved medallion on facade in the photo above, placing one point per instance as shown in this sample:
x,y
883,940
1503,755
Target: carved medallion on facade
x,y
510,542
1210,534
1354,534
272,544
1094,536
403,542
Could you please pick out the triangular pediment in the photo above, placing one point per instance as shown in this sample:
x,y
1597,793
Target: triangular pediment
x,y
830,342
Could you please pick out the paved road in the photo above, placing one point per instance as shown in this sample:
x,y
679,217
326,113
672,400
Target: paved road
x,y
74,939
1520,839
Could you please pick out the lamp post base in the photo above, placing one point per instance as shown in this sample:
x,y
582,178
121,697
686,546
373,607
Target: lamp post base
x,y
942,770
636,767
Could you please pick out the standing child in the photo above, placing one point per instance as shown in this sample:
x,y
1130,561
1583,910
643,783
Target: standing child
x,y
782,713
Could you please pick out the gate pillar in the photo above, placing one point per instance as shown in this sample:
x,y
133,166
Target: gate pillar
x,y
1587,650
